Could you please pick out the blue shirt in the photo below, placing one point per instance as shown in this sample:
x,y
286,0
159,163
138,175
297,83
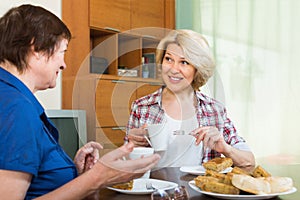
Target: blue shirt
x,y
29,141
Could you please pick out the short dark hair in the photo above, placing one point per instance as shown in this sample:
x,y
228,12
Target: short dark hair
x,y
27,26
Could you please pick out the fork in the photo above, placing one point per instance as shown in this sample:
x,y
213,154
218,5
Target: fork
x,y
149,186
180,132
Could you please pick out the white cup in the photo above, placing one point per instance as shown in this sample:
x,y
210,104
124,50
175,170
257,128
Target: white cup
x,y
158,138
139,152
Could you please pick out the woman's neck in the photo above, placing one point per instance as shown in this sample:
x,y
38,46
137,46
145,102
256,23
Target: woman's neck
x,y
180,105
24,77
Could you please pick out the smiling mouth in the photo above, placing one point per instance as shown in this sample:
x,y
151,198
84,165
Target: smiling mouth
x,y
175,78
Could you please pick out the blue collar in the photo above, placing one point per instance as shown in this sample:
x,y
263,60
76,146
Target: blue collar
x,y
14,82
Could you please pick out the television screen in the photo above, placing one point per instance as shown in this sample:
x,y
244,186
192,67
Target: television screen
x,y
71,125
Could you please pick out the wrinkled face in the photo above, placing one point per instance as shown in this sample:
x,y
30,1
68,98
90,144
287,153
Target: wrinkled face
x,y
47,69
177,73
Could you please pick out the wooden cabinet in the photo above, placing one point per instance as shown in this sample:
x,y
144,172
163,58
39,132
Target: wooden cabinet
x,y
113,101
146,13
117,33
144,88
125,50
114,97
122,15
111,15
110,138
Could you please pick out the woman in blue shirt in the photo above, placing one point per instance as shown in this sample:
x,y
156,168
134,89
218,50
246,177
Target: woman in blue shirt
x,y
32,163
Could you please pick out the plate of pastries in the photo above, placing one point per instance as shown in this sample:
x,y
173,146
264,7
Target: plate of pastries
x,y
238,183
200,169
139,186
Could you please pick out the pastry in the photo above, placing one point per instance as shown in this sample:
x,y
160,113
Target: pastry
x,y
221,188
279,184
218,164
251,184
215,174
201,180
124,186
260,172
238,170
228,178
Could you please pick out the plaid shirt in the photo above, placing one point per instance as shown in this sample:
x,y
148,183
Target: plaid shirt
x,y
148,110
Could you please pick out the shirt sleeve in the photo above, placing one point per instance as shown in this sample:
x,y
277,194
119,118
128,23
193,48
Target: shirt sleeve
x,y
229,130
225,126
133,118
242,146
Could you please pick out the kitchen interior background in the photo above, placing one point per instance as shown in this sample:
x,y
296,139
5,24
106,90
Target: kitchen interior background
x,y
257,50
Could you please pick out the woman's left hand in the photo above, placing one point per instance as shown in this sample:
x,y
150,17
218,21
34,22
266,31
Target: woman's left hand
x,y
211,138
137,136
87,156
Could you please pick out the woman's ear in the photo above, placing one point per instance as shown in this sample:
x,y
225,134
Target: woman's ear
x,y
34,53
37,55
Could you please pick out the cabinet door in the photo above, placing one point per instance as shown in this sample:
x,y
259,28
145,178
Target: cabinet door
x,y
110,14
110,138
144,89
146,13
113,102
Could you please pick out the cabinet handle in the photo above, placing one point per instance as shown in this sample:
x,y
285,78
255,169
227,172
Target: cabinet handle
x,y
112,29
149,36
154,84
117,81
118,128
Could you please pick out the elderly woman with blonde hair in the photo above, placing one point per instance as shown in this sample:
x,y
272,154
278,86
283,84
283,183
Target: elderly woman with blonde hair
x,y
186,65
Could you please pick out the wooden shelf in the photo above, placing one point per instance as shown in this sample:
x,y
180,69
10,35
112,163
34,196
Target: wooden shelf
x,y
118,32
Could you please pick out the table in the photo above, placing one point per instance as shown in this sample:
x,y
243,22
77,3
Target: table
x,y
175,175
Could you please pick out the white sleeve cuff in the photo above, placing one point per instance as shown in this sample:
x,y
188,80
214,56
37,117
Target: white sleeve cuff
x,y
242,146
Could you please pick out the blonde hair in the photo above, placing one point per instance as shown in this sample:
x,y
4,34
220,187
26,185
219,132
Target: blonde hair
x,y
196,51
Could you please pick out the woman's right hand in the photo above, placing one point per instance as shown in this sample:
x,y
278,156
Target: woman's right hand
x,y
87,156
137,136
115,169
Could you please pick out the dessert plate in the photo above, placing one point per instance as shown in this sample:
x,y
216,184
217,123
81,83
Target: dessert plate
x,y
199,170
139,186
241,196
